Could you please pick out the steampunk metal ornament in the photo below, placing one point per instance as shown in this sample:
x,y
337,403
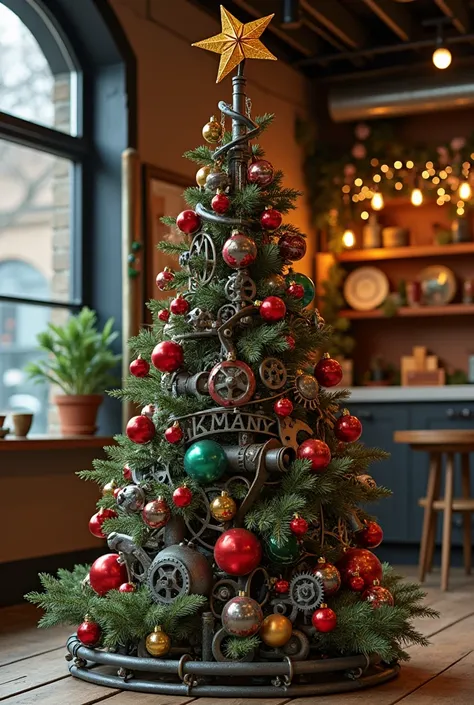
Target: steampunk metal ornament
x,y
306,592
231,383
306,391
242,616
177,571
135,557
217,179
199,319
240,287
131,499
273,373
202,245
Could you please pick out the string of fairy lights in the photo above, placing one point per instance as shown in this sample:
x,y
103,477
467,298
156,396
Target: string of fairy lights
x,y
450,185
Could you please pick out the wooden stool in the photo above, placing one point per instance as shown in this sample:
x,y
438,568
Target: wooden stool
x,y
437,443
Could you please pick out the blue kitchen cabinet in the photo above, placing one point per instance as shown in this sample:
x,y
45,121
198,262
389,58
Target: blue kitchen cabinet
x,y
379,423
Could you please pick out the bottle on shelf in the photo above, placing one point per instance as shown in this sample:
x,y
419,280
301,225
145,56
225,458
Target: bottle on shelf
x,y
371,233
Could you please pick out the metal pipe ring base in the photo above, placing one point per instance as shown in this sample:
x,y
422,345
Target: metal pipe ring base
x,y
228,679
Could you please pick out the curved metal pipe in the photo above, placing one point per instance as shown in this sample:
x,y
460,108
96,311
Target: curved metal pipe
x,y
401,96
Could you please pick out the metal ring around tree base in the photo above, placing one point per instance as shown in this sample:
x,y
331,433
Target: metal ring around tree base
x,y
337,675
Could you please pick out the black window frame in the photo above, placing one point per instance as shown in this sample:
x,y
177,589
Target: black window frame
x,y
76,148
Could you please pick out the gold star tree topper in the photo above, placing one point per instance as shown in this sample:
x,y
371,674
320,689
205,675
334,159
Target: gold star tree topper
x,y
237,42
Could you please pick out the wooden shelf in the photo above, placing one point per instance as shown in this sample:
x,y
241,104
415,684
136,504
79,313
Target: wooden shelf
x,y
412,312
381,253
54,443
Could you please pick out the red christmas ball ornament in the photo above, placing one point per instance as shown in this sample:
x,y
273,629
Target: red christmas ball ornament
x,y
356,583
291,341
107,573
97,519
174,433
239,251
298,526
164,278
348,428
371,535
324,619
89,632
281,586
295,290
182,496
167,356
328,372
237,552
260,172
316,451
220,203
127,587
179,306
329,575
188,222
283,407
140,429
361,562
127,472
292,247
164,315
139,367
116,492
377,596
156,513
271,219
272,309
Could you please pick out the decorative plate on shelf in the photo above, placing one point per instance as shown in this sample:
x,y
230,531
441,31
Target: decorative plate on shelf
x,y
366,288
438,284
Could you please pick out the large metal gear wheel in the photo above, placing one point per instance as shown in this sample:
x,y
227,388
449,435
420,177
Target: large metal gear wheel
x,y
223,591
225,313
273,373
202,245
306,592
231,383
240,287
168,579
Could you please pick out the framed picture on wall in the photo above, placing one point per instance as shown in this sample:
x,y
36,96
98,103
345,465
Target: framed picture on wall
x,y
162,195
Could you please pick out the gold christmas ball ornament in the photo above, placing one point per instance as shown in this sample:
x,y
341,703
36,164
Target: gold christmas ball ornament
x,y
212,131
158,643
276,630
202,174
223,508
109,488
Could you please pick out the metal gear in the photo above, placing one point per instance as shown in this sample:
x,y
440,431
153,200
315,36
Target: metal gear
x,y
231,383
202,244
226,312
168,579
273,373
223,591
306,592
240,287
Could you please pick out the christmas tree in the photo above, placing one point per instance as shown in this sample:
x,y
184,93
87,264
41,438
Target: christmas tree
x,y
234,507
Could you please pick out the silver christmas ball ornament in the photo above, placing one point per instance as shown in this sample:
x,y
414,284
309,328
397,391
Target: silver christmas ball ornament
x,y
239,251
217,180
242,616
131,498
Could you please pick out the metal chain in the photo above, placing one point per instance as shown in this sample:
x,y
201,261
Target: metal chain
x,y
222,126
248,107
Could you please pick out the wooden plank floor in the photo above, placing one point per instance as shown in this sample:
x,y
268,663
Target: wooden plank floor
x,y
33,670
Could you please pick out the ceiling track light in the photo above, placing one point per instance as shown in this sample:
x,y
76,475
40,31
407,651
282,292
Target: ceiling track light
x,y
291,18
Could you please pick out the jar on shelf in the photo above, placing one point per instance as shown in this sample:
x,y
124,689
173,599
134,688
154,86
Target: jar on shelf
x,y
371,233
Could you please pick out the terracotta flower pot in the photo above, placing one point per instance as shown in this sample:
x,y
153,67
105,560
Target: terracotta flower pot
x,y
78,413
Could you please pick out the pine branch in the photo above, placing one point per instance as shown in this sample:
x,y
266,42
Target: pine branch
x,y
172,248
201,155
168,220
268,262
236,648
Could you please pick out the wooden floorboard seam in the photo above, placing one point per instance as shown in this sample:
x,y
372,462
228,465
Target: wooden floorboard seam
x,y
33,687
451,624
39,653
429,680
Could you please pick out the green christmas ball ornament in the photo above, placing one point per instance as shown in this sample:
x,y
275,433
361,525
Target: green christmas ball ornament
x,y
285,553
306,283
205,461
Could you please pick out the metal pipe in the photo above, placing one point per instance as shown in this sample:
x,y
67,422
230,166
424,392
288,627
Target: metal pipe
x,y
400,96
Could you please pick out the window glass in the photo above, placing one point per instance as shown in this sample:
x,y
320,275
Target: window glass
x,y
19,326
35,221
30,87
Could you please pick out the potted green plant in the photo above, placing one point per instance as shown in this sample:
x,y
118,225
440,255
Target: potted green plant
x,y
80,362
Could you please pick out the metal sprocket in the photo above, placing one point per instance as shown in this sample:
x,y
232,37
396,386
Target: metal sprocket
x,y
306,592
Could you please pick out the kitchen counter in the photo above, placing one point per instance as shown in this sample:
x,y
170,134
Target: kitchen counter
x,y
450,392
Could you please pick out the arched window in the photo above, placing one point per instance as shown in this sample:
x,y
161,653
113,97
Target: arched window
x,y
64,122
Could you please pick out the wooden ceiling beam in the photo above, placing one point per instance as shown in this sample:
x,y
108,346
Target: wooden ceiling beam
x,y
397,17
458,12
338,20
